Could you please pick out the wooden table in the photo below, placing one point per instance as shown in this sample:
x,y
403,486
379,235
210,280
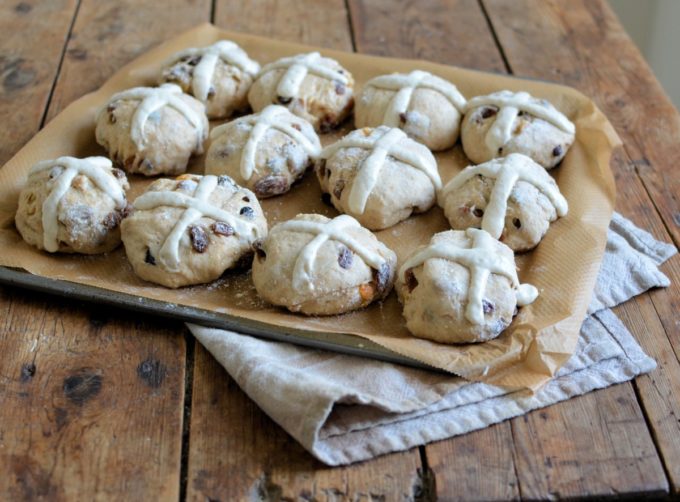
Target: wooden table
x,y
102,404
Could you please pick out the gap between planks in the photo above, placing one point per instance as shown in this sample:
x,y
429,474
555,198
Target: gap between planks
x,y
190,343
69,34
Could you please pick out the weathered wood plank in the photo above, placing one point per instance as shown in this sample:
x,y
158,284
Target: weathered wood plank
x,y
616,77
108,35
34,34
95,402
478,466
236,451
321,24
659,392
593,445
453,32
91,405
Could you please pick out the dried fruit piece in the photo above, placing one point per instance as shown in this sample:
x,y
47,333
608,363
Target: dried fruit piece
x,y
557,151
126,211
339,187
339,88
199,239
517,223
345,258
147,165
381,277
110,109
222,228
411,281
148,258
118,173
270,185
367,291
283,100
478,212
488,112
487,306
112,220
326,124
247,211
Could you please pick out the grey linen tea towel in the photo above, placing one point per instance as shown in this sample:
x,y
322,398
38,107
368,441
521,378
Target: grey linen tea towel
x,y
344,409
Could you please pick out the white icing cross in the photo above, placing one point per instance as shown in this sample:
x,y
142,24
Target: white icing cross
x,y
482,260
405,85
509,105
154,98
335,229
196,206
297,68
225,50
272,117
507,171
382,142
97,169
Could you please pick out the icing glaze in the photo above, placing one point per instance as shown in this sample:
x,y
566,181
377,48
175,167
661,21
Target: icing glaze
x,y
152,99
196,206
509,105
507,171
297,68
272,117
335,229
383,142
404,87
204,71
97,169
481,259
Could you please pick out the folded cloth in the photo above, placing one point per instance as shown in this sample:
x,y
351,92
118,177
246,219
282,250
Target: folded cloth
x,y
344,409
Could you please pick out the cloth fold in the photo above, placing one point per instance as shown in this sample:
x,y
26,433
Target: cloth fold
x,y
345,409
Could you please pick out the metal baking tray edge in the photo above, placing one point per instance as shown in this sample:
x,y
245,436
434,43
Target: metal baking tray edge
x,y
336,342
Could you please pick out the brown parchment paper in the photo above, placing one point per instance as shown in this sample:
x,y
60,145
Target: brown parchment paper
x,y
563,267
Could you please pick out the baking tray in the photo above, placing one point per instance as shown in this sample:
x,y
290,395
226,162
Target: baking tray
x,y
541,339
338,342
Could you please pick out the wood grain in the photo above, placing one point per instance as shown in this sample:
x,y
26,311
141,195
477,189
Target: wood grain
x,y
91,405
477,466
480,465
305,21
95,402
616,77
33,37
236,451
452,32
596,445
107,35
